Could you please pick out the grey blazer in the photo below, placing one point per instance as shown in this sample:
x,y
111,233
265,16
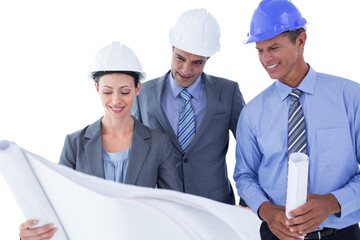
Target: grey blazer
x,y
151,161
202,168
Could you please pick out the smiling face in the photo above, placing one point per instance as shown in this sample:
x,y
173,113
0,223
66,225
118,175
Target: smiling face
x,y
117,92
283,59
186,67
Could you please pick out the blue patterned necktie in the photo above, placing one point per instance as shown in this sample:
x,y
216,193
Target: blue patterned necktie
x,y
297,129
186,130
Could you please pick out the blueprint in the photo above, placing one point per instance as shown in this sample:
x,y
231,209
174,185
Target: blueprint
x,y
86,207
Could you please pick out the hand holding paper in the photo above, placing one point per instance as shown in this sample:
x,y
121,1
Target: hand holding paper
x,y
313,213
308,210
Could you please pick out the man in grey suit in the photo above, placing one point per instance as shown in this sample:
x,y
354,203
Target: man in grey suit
x,y
194,109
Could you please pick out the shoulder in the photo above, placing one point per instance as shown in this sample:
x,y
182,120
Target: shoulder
x,y
219,80
263,100
86,132
146,132
153,82
338,89
336,81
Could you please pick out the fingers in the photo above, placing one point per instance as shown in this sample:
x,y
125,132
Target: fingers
x,y
282,232
303,209
239,206
281,229
28,224
44,236
41,233
307,226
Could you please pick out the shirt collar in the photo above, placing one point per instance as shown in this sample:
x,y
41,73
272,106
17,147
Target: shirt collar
x,y
307,85
194,89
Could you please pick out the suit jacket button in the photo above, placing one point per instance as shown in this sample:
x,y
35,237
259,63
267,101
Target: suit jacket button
x,y
186,160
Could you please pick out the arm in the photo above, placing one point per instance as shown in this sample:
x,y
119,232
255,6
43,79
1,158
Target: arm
x,y
248,160
349,195
67,157
237,105
168,176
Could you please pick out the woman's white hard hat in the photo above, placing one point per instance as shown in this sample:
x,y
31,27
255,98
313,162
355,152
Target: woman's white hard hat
x,y
116,57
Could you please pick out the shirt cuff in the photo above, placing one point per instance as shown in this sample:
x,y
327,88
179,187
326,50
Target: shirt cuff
x,y
345,197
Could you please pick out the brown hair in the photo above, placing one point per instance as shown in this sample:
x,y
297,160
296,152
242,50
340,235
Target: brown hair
x,y
293,34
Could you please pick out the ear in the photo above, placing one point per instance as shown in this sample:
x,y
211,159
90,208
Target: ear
x,y
137,90
301,39
96,87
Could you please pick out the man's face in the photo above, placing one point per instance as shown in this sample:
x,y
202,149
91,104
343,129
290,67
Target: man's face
x,y
281,58
186,67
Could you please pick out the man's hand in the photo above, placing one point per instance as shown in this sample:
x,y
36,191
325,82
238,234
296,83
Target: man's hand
x,y
275,217
44,233
313,213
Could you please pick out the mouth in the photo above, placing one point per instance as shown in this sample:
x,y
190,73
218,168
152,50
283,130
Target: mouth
x,y
271,67
116,109
185,76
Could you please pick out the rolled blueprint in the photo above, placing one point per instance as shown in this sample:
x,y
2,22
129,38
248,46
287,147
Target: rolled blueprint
x,y
86,207
297,181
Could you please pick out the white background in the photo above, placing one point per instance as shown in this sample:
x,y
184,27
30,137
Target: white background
x,y
46,49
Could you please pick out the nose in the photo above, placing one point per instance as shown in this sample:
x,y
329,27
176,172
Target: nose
x,y
116,98
266,56
187,68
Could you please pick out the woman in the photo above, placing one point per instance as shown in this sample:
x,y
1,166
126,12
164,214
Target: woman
x,y
116,147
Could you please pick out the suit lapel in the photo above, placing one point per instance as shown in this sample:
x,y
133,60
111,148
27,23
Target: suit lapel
x,y
212,100
139,150
157,89
94,149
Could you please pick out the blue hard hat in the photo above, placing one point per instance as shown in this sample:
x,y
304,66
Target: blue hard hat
x,y
273,17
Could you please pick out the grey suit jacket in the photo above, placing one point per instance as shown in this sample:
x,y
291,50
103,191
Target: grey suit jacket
x,y
202,168
151,161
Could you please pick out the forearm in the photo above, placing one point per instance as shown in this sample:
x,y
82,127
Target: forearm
x,y
348,197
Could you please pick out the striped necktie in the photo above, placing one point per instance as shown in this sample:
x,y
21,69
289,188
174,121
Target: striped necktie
x,y
186,130
297,129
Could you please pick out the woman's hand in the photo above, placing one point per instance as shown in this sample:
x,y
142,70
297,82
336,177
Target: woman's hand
x,y
44,233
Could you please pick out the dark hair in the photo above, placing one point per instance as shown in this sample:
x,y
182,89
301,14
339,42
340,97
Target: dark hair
x,y
293,34
135,75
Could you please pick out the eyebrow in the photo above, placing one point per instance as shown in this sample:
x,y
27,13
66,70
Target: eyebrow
x,y
272,45
112,87
178,55
197,60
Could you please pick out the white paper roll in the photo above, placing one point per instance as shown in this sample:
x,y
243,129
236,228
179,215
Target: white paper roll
x,y
297,181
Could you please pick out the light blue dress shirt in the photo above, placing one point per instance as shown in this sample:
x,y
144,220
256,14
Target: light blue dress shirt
x,y
172,102
331,108
115,165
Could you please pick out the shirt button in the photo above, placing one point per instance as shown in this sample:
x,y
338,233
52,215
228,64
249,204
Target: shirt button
x,y
186,160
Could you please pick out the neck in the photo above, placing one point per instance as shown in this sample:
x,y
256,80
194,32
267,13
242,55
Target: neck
x,y
117,126
297,76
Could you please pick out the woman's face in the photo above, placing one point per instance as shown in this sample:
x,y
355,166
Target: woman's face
x,y
117,92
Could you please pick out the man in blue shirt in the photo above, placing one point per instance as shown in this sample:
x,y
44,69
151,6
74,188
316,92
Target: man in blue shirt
x,y
330,110
200,133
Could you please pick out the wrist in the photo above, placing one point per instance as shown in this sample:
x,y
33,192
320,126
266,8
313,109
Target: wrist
x,y
334,204
263,210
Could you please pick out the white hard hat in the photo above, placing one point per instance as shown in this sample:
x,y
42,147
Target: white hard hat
x,y
116,57
197,32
